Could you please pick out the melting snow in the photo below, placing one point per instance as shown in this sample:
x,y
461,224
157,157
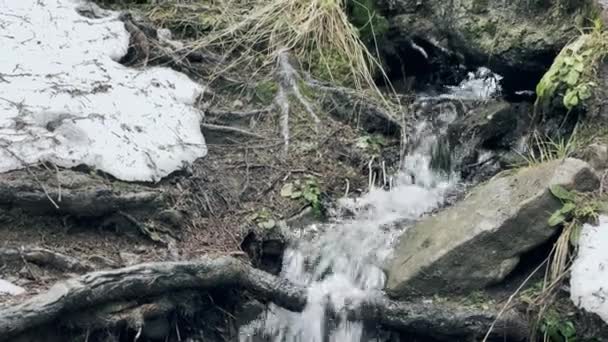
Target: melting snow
x,y
7,288
589,278
64,98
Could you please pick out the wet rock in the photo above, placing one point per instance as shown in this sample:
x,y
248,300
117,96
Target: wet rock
x,y
478,241
156,329
483,140
514,38
265,245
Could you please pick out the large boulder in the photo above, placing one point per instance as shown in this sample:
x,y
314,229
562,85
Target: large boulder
x,y
518,36
479,241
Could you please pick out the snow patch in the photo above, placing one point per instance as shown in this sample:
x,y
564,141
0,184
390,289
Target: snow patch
x,y
65,99
589,277
8,288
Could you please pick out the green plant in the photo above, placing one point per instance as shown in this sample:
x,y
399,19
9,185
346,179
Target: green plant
x,y
545,149
372,143
571,76
556,329
307,190
263,219
364,15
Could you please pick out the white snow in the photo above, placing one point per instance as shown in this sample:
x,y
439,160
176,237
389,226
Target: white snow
x,y
65,99
589,277
8,288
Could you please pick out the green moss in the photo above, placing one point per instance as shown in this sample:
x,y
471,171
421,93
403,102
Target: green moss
x,y
571,77
365,16
265,91
333,66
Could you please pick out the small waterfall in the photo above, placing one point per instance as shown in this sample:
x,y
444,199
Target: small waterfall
x,y
341,262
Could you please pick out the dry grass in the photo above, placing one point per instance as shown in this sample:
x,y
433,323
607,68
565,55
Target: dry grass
x,y
316,32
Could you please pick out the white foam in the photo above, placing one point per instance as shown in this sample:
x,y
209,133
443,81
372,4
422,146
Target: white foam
x,y
64,98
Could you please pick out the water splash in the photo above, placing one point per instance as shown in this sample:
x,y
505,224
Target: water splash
x,y
341,265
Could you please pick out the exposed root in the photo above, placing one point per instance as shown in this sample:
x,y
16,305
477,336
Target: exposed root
x,y
229,129
156,279
45,257
81,195
287,78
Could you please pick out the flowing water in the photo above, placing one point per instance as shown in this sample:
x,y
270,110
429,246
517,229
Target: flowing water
x,y
340,262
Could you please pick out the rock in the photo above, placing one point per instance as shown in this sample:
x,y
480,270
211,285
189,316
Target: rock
x,y
264,246
479,139
589,274
156,329
596,155
478,241
513,38
8,288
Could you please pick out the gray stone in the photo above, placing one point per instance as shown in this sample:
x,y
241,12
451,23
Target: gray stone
x,y
479,241
596,155
513,37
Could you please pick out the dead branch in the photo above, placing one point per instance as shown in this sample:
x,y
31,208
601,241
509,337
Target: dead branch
x,y
155,279
43,256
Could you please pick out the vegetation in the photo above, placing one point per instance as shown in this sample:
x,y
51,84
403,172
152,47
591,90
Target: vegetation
x,y
572,75
308,190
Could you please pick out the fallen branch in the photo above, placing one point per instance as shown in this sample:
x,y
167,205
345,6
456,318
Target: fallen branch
x,y
43,256
155,279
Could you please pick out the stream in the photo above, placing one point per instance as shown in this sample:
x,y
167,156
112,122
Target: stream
x,y
341,262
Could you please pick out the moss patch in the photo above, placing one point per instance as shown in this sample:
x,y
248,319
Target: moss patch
x,y
572,75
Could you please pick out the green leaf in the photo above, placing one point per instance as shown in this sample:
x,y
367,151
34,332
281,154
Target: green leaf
x,y
579,66
567,208
567,329
575,235
287,190
556,219
572,77
267,224
561,193
584,92
569,61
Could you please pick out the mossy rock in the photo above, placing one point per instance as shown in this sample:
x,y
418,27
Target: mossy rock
x,y
513,38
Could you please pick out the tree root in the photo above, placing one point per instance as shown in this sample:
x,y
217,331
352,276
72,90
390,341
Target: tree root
x,y
74,193
43,256
155,279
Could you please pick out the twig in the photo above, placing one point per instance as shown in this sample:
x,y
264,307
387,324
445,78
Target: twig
x,y
504,308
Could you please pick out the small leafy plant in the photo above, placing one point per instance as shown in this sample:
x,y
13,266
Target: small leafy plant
x,y
263,219
566,211
371,143
572,73
556,329
308,189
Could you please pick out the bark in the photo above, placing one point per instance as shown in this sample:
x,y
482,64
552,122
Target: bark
x,y
43,256
155,279
74,193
